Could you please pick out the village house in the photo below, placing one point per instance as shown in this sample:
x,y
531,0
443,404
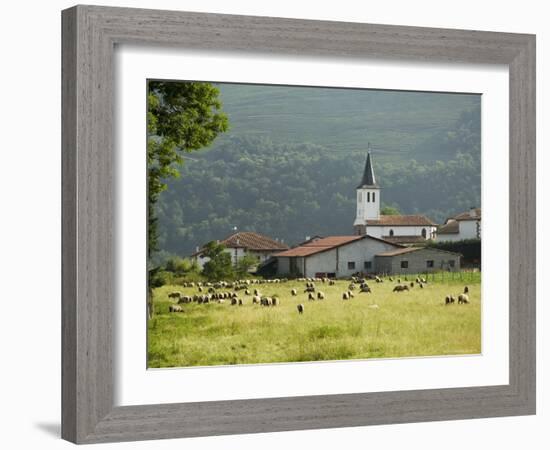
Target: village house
x,y
333,256
400,229
466,225
245,243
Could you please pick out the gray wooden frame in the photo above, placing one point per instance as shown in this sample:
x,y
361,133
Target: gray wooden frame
x,y
89,35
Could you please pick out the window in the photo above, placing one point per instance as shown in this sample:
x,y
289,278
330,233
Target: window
x,y
424,233
404,264
391,232
373,197
368,197
360,197
351,265
451,262
430,263
368,265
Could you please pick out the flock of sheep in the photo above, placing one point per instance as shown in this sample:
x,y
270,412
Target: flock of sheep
x,y
222,291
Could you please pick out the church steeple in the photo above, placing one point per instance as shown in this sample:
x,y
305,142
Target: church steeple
x,y
368,179
368,198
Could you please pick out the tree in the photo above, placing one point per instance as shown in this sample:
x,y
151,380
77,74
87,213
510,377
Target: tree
x,y
389,211
246,263
219,267
181,117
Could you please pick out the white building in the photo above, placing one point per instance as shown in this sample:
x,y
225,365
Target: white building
x,y
403,229
245,243
333,256
466,225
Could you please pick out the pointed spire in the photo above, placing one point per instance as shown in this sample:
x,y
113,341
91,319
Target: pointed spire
x,y
368,175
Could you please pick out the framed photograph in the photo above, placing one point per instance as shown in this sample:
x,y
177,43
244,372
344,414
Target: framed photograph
x,y
267,222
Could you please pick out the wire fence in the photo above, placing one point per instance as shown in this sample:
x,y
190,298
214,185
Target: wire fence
x,y
472,275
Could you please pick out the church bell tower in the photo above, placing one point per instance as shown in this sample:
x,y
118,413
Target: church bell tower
x,y
368,199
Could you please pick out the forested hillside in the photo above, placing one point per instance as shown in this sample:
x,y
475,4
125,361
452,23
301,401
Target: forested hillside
x,y
290,163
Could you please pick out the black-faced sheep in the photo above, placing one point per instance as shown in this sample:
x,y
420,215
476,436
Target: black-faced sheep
x,y
463,298
345,296
275,301
234,301
350,294
331,283
294,292
310,296
320,295
256,300
174,295
466,290
300,308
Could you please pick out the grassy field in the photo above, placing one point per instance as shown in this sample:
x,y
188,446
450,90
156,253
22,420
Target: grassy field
x,y
414,323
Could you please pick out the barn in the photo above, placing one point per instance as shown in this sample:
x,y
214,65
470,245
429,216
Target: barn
x,y
333,256
416,260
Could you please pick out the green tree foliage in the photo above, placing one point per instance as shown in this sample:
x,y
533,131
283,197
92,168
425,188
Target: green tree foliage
x,y
389,211
181,117
220,266
245,264
181,266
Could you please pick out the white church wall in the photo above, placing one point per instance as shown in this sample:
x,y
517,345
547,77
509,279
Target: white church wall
x,y
467,229
380,231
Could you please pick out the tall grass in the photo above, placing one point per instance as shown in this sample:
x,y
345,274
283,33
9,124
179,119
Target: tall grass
x,y
414,323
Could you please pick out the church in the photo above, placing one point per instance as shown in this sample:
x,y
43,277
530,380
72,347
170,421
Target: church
x,y
398,229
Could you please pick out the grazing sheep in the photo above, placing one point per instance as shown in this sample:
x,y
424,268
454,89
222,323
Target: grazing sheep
x,y
174,295
331,283
448,300
466,290
241,303
256,292
275,301
400,287
452,299
421,285
310,289
345,296
463,298
320,295
365,288
256,300
247,292
310,296
175,309
200,289
233,301
300,308
294,292
350,294
351,287
221,301
391,279
399,280
411,284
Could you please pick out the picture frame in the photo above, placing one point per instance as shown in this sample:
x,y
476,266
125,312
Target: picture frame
x,y
89,37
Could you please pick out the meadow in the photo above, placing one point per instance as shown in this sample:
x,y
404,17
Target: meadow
x,y
381,324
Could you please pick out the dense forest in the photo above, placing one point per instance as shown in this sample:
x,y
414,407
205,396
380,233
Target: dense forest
x,y
299,178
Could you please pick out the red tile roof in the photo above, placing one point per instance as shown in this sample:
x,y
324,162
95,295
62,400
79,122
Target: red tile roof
x,y
451,227
472,214
252,241
319,245
400,220
327,243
